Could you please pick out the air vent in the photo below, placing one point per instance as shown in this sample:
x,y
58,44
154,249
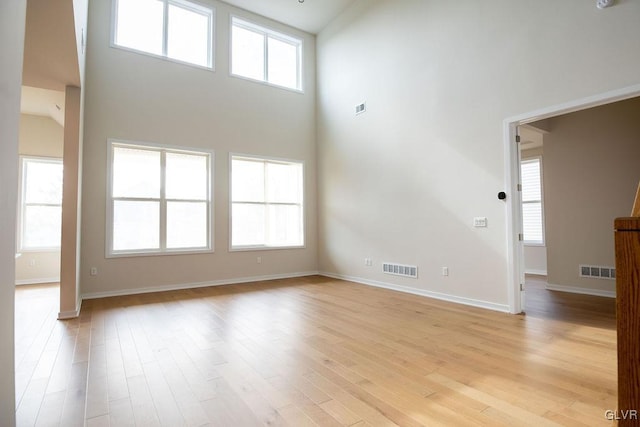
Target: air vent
x,y
361,108
597,272
400,269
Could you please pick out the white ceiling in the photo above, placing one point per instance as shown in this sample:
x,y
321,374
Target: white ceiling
x,y
310,16
43,102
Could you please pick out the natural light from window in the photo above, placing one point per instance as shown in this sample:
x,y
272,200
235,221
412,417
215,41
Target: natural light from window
x,y
41,204
185,35
265,55
532,210
267,203
160,200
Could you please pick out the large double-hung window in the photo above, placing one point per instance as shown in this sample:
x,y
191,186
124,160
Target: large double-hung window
x,y
266,203
159,199
177,29
532,201
40,204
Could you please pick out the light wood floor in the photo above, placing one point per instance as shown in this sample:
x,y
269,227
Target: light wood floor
x,y
316,351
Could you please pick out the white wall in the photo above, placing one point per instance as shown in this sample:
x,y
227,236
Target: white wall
x,y
404,181
12,24
141,98
591,175
41,137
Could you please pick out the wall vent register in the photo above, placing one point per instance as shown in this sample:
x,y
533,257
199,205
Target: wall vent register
x,y
597,272
400,269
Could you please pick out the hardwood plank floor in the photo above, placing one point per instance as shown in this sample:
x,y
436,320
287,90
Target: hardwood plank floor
x,y
316,351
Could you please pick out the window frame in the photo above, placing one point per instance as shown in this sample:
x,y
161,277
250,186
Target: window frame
x,y
277,35
162,250
303,214
20,248
535,243
194,6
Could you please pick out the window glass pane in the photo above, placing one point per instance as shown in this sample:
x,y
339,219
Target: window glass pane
x,y
136,225
285,225
247,181
43,182
136,173
41,228
248,224
186,225
247,55
186,177
283,63
188,36
530,175
139,25
284,183
532,222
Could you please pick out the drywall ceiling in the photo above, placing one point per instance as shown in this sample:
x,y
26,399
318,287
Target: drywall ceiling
x,y
310,16
50,56
43,102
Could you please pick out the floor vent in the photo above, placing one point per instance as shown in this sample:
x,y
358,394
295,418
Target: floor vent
x,y
597,272
400,270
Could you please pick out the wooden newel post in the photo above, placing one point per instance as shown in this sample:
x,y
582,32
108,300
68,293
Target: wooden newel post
x,y
627,242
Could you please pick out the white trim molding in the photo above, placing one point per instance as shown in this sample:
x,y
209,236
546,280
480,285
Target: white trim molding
x,y
181,286
40,281
581,290
535,272
504,308
71,314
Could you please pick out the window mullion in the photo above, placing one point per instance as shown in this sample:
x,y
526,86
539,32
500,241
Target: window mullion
x,y
266,58
163,201
165,28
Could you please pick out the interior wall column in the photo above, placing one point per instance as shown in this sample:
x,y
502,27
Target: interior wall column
x,y
70,245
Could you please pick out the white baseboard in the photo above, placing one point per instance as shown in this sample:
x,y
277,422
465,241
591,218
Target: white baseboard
x,y
72,314
436,295
37,281
180,286
536,272
579,290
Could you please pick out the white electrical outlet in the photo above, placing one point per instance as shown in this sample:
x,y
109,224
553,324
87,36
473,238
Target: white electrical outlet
x,y
368,262
259,260
32,263
93,271
445,271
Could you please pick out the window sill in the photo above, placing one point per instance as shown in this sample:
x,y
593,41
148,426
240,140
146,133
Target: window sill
x,y
152,254
264,248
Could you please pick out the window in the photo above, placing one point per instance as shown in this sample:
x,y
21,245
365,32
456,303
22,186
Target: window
x,y
40,204
176,29
265,55
159,200
532,209
266,203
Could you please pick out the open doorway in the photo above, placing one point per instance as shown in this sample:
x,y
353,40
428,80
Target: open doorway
x,y
41,143
577,196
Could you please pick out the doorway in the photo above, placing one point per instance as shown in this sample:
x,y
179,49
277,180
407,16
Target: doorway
x,y
516,267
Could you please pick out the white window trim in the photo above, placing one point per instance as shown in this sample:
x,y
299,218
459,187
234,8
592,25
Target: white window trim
x,y
245,23
544,237
21,202
193,5
109,253
304,211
